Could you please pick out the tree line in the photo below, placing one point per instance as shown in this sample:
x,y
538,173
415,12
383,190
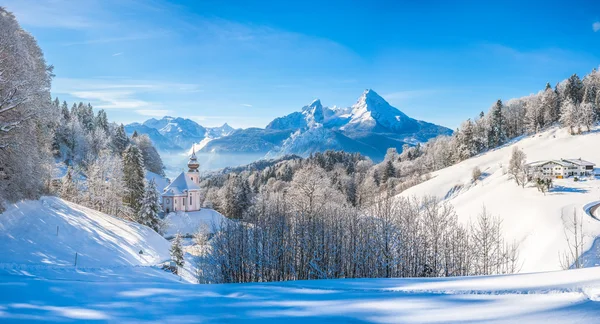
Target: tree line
x,y
307,229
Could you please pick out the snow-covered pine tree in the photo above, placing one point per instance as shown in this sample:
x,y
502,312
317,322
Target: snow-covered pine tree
x,y
497,121
574,89
389,171
148,214
133,176
549,105
177,251
120,140
101,121
534,115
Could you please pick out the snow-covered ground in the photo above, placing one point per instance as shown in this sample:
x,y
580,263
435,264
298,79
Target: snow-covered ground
x,y
114,283
50,231
45,237
188,223
557,297
528,215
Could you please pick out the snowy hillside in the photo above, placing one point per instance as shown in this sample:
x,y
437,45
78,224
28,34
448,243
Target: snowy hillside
x,y
528,215
50,231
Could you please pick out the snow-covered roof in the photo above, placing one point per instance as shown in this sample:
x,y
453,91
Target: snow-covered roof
x,y
579,161
540,163
179,186
563,162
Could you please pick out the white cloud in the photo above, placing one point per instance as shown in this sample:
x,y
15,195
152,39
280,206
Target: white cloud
x,y
154,112
119,93
596,26
247,105
111,99
118,54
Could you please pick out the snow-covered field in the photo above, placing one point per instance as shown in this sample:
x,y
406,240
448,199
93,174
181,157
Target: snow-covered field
x,y
528,215
558,297
114,283
188,223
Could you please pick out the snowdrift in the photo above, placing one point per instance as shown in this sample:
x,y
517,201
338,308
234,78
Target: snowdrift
x,y
50,231
528,216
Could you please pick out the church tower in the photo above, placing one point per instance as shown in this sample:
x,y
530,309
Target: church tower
x,y
193,165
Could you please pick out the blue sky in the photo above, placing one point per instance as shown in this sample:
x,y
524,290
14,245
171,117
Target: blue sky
x,y
247,62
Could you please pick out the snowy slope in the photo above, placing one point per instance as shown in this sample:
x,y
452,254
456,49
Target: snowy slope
x,y
528,215
557,297
28,236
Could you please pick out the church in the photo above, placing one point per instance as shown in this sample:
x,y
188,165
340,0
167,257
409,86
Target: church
x,y
183,194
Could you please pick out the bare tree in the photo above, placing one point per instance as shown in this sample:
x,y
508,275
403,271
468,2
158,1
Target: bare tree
x,y
516,166
573,231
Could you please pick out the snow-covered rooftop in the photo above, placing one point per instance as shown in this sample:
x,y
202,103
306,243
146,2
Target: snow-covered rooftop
x,y
179,186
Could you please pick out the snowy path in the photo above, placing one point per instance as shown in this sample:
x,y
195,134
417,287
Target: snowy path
x,y
592,209
555,297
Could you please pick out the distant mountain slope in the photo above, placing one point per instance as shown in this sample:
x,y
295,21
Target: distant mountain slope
x,y
528,216
250,140
370,127
174,134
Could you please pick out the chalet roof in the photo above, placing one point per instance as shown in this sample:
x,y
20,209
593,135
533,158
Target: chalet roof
x,y
579,161
180,186
540,163
562,162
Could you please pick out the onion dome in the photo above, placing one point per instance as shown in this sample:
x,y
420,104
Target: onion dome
x,y
193,164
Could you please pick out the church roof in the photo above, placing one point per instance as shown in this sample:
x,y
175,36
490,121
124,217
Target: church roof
x,y
180,185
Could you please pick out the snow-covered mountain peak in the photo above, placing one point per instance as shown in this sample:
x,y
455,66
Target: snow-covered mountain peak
x,y
372,110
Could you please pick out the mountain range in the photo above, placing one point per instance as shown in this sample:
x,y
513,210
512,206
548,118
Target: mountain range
x,y
369,127
176,134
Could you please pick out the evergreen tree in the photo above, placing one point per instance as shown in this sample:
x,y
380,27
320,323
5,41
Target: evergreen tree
x,y
133,176
550,105
497,131
177,251
102,120
574,89
120,140
148,214
389,172
66,114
